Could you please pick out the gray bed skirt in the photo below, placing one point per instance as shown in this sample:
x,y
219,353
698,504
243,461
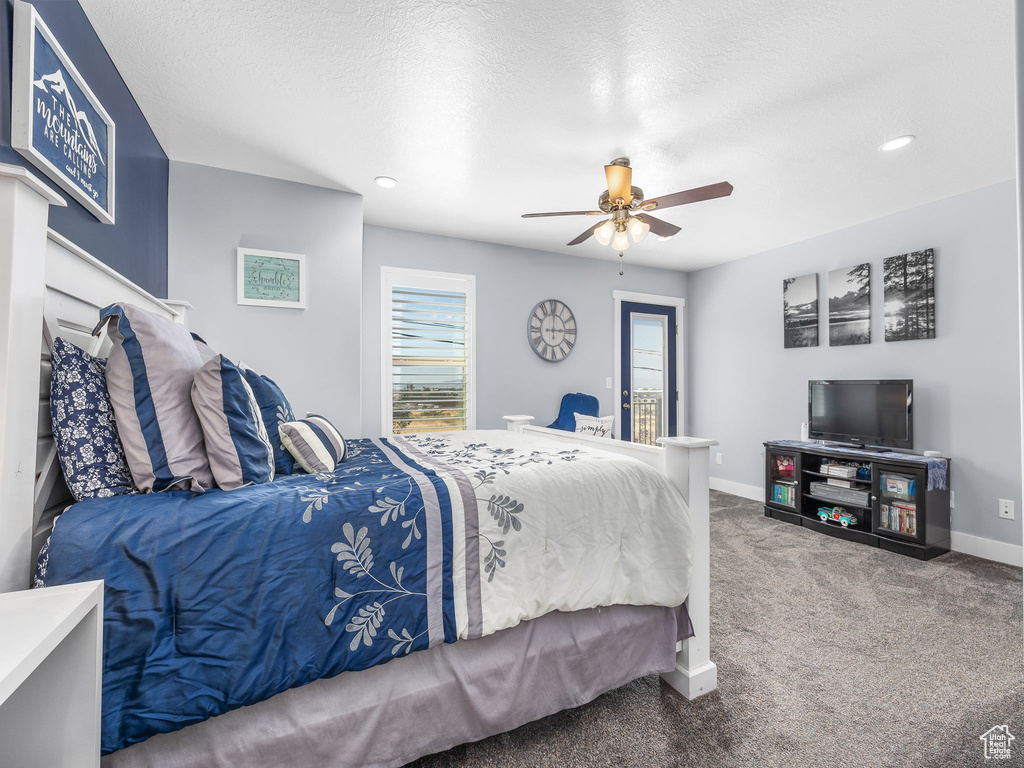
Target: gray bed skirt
x,y
432,700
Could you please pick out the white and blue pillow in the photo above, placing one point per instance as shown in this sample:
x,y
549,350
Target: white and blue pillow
x,y
596,426
314,442
149,379
84,428
237,445
276,410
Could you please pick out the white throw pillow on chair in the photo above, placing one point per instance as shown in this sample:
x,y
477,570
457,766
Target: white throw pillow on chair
x,y
598,426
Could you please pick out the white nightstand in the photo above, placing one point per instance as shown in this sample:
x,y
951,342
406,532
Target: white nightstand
x,y
51,670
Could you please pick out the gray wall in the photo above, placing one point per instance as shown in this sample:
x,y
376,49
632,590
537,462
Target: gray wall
x,y
509,282
312,353
744,388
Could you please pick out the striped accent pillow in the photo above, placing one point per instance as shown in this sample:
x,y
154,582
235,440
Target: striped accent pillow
x,y
149,380
237,445
314,442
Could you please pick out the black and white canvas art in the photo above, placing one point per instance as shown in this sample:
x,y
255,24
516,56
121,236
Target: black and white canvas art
x,y
800,311
849,306
910,296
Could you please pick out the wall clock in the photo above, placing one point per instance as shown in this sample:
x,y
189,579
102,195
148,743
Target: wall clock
x,y
551,330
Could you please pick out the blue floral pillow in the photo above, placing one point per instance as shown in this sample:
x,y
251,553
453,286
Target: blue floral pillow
x,y
84,431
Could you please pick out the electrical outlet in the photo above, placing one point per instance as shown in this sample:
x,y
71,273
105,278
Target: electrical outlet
x,y
952,500
1006,509
608,383
718,457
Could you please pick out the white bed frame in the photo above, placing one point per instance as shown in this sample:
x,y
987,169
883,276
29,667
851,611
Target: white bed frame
x,y
683,460
49,287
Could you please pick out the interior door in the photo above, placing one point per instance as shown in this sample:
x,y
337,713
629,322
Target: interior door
x,y
649,398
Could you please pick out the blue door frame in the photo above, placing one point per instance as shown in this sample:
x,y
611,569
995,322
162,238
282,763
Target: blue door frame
x,y
628,309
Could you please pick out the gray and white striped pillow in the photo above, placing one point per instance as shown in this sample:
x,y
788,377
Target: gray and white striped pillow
x,y
314,442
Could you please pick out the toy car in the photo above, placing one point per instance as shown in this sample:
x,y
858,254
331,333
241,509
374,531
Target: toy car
x,y
837,515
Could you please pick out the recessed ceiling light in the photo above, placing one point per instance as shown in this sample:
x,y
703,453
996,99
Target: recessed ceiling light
x,y
386,181
897,143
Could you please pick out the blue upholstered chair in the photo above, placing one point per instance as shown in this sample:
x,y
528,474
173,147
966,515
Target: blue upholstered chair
x,y
572,404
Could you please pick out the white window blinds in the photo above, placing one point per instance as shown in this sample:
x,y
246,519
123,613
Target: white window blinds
x,y
428,353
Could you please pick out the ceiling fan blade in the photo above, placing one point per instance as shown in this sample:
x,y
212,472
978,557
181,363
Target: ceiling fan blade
x,y
710,192
563,213
658,227
584,235
620,182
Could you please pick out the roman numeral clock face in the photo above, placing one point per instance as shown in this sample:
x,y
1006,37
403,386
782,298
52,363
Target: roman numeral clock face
x,y
552,330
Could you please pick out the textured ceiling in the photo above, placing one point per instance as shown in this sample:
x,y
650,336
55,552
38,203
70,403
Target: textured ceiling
x,y
485,110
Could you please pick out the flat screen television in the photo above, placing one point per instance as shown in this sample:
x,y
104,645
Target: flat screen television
x,y
863,412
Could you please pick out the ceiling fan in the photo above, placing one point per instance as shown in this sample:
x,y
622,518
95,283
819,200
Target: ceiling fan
x,y
630,213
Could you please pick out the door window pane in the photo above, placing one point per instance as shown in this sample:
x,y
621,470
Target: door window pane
x,y
649,374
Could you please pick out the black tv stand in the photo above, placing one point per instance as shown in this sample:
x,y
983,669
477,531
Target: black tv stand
x,y
887,504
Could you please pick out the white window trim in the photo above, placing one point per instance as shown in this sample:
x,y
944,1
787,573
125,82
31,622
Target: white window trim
x,y
666,301
430,280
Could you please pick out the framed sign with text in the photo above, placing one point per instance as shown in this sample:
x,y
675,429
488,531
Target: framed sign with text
x,y
56,120
271,278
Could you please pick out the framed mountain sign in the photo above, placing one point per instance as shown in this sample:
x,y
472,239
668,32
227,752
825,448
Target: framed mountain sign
x,y
57,122
271,279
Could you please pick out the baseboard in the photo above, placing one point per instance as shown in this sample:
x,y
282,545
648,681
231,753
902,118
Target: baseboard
x,y
989,549
753,492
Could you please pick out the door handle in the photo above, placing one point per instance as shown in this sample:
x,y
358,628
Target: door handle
x,y
625,393
625,406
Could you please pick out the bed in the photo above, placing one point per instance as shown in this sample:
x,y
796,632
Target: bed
x,y
558,562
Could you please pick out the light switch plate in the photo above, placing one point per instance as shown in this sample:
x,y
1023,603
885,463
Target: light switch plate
x,y
608,383
718,457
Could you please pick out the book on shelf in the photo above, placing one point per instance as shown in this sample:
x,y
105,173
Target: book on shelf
x,y
899,517
784,493
840,470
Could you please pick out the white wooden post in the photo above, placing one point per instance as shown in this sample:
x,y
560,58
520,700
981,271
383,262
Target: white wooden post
x,y
24,207
181,309
516,423
51,673
687,464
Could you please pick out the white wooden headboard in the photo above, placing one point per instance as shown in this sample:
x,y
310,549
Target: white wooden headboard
x,y
77,287
49,287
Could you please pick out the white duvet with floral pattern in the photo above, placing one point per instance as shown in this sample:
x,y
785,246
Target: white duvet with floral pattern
x,y
540,526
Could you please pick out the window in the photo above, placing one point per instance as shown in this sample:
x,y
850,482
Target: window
x,y
427,351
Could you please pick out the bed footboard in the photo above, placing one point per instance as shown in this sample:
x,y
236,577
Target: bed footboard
x,y
685,461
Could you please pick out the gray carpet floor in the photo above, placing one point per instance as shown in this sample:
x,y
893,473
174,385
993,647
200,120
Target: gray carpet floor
x,y
829,653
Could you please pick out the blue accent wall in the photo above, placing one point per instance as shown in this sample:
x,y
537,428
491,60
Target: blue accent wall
x,y
136,246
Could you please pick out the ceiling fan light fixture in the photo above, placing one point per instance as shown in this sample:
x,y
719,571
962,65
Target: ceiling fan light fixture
x,y
603,233
620,242
638,229
896,143
386,181
627,209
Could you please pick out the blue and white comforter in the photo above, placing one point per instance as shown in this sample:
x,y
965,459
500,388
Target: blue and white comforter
x,y
222,599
